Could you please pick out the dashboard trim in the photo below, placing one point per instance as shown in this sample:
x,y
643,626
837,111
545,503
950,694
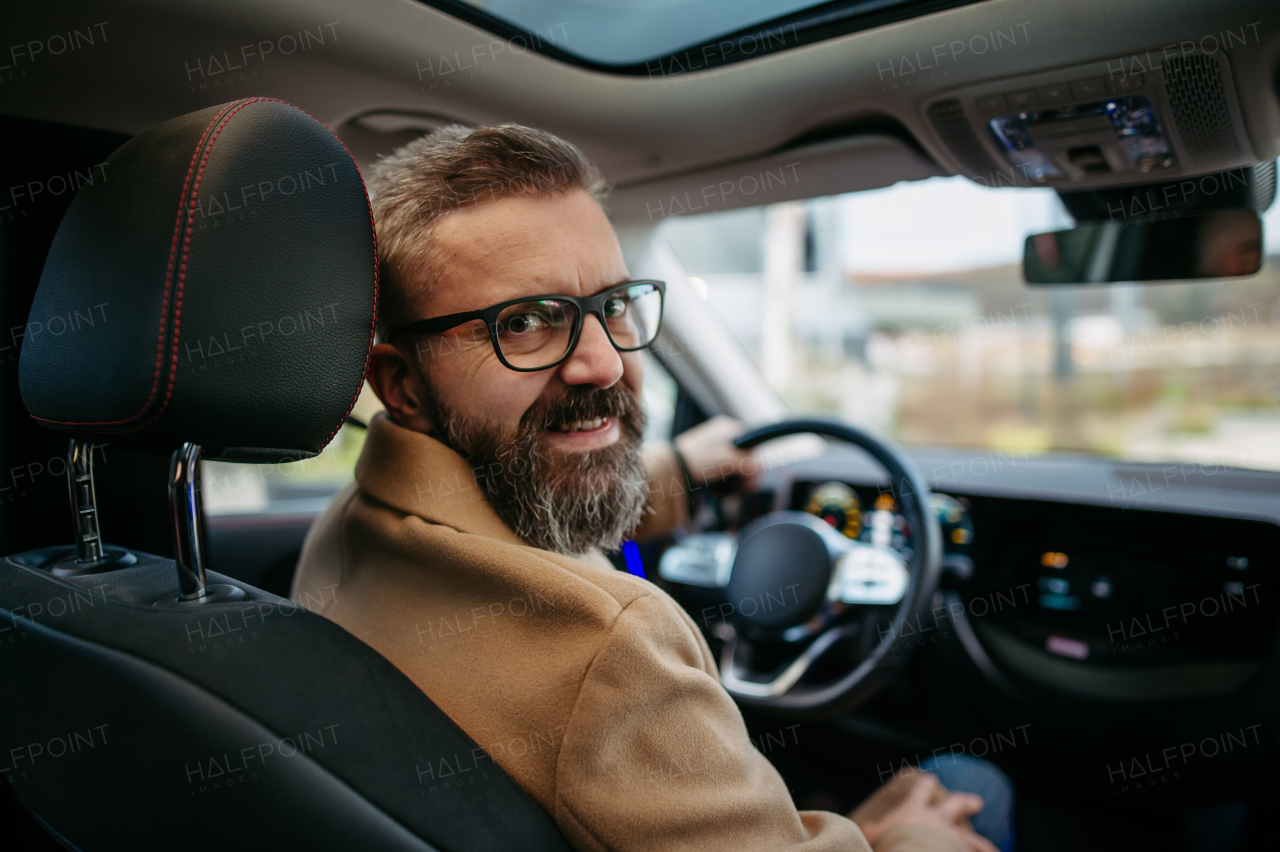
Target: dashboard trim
x,y
1225,490
1130,683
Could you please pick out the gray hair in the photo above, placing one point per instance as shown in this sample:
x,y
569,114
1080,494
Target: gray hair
x,y
453,168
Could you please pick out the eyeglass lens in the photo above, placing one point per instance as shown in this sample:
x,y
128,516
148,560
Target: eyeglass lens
x,y
537,333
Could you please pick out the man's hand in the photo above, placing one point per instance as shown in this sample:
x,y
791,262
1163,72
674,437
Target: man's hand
x,y
709,452
916,798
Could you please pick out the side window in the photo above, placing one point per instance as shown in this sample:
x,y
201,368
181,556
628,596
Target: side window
x,y
659,396
303,486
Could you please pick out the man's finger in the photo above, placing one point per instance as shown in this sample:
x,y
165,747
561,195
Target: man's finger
x,y
974,842
958,806
924,787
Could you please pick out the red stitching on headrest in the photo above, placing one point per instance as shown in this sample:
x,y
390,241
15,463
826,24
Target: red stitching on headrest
x,y
229,113
182,273
164,304
373,325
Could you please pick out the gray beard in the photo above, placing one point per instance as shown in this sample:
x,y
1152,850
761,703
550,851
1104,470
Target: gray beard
x,y
567,503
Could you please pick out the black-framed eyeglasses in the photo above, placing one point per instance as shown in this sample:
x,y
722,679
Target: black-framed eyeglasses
x,y
539,332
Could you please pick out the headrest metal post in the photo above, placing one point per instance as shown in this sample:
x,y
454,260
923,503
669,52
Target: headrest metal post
x,y
187,508
84,503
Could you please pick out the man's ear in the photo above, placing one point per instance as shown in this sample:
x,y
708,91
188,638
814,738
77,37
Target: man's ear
x,y
399,385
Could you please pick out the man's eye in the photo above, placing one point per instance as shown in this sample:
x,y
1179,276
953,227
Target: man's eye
x,y
615,307
525,323
532,318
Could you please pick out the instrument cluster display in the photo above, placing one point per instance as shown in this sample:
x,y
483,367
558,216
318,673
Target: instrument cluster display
x,y
870,515
838,505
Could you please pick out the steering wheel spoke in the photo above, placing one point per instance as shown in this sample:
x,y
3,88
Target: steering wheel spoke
x,y
736,674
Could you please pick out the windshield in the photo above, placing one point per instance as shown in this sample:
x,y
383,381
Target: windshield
x,y
905,308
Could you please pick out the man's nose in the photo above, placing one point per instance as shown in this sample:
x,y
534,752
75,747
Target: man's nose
x,y
594,362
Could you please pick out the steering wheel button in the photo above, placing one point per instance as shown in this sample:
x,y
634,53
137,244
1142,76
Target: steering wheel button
x,y
872,575
700,560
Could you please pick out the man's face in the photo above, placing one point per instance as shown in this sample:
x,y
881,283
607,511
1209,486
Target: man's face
x,y
525,246
555,451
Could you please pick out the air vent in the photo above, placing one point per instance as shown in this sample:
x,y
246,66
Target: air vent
x,y
1198,98
950,124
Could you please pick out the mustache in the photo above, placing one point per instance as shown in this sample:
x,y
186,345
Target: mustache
x,y
582,404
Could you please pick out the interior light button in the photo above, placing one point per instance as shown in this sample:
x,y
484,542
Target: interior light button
x,y
1055,95
1124,85
991,103
1023,100
1090,89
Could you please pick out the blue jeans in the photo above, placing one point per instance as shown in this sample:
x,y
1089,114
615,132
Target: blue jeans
x,y
965,774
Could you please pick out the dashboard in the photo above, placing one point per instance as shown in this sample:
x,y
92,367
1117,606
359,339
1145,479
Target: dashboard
x,y
1086,583
1115,600
1125,588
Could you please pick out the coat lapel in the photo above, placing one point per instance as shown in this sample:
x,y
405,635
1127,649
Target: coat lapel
x,y
418,475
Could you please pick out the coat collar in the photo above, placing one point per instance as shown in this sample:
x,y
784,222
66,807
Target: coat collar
x,y
418,475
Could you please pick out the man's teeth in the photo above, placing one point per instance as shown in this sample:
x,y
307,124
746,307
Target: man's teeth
x,y
582,425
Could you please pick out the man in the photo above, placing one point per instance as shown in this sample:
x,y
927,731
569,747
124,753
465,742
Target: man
x,y
469,549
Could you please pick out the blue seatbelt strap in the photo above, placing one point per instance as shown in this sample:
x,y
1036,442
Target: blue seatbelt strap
x,y
631,551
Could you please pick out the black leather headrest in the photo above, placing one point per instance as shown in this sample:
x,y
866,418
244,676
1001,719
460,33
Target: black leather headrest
x,y
216,283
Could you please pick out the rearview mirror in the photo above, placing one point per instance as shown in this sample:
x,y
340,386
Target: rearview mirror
x,y
1215,245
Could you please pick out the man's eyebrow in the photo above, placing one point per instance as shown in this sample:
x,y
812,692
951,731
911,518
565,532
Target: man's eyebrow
x,y
611,286
540,291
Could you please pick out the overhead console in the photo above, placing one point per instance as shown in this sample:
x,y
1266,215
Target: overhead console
x,y
1157,115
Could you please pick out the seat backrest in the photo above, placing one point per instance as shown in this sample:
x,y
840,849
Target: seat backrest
x,y
129,723
235,247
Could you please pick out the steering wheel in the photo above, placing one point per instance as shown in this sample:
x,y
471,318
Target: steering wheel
x,y
802,599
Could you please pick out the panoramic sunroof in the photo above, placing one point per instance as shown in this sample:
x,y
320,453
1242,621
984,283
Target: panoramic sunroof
x,y
626,32
628,36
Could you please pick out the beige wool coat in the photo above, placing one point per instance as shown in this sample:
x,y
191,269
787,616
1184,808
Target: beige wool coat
x,y
590,687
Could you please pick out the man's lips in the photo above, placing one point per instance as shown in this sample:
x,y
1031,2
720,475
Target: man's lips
x,y
593,425
586,434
